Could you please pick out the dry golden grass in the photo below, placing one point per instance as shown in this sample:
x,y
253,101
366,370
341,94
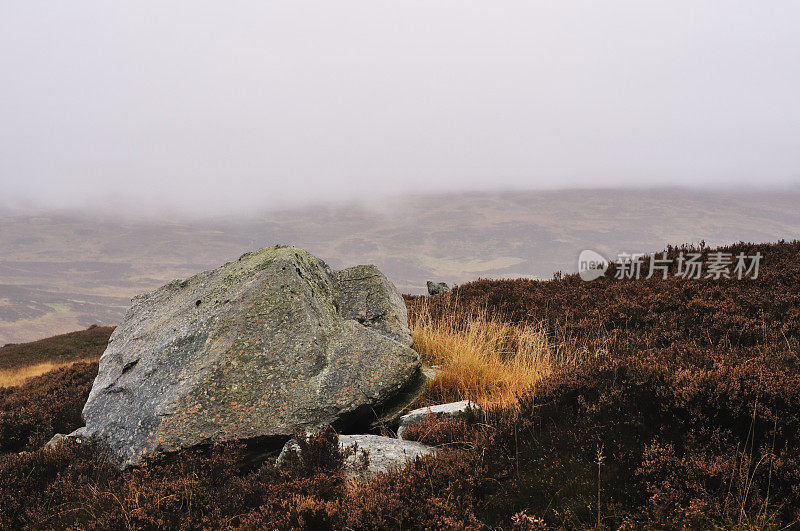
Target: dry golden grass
x,y
481,358
18,375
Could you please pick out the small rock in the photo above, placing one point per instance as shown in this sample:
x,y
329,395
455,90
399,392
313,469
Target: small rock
x,y
436,288
441,411
383,454
431,372
76,435
55,439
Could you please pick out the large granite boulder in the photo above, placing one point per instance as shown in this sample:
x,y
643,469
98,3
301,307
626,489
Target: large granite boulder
x,y
256,349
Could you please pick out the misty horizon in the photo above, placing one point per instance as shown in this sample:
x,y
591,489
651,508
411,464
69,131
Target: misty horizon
x,y
144,109
382,205
444,141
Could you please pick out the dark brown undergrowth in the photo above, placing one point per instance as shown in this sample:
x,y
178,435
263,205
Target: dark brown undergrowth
x,y
73,486
32,413
691,448
444,433
685,413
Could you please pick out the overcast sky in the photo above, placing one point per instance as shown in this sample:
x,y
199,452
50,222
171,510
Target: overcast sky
x,y
226,106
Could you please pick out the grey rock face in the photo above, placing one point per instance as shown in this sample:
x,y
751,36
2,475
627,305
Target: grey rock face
x,y
257,348
366,296
442,411
436,288
382,453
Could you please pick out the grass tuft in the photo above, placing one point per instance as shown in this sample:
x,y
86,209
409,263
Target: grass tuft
x,y
480,357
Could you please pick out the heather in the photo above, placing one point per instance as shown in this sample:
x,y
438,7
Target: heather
x,y
30,414
664,404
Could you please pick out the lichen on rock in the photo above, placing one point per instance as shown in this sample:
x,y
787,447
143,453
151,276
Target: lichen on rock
x,y
260,347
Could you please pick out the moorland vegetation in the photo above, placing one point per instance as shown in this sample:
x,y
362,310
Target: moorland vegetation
x,y
667,403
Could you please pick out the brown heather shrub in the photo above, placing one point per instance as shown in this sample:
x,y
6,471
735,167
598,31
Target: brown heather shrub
x,y
73,486
628,315
433,493
693,395
317,452
32,413
444,433
697,449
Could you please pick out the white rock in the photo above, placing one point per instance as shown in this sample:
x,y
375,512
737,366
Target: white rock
x,y
383,453
447,411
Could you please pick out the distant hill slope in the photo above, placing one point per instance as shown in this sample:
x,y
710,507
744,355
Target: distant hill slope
x,y
68,271
64,348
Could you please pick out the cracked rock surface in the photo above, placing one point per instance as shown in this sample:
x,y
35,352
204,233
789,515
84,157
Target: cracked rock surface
x,y
258,348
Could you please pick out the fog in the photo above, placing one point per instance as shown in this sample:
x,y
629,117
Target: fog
x,y
227,107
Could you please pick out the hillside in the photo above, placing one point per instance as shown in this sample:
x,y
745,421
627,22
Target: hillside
x,y
63,272
74,346
19,362
670,403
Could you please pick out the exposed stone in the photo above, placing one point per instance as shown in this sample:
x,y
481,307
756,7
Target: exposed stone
x,y
77,436
55,439
258,348
382,454
290,447
436,288
431,371
441,411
